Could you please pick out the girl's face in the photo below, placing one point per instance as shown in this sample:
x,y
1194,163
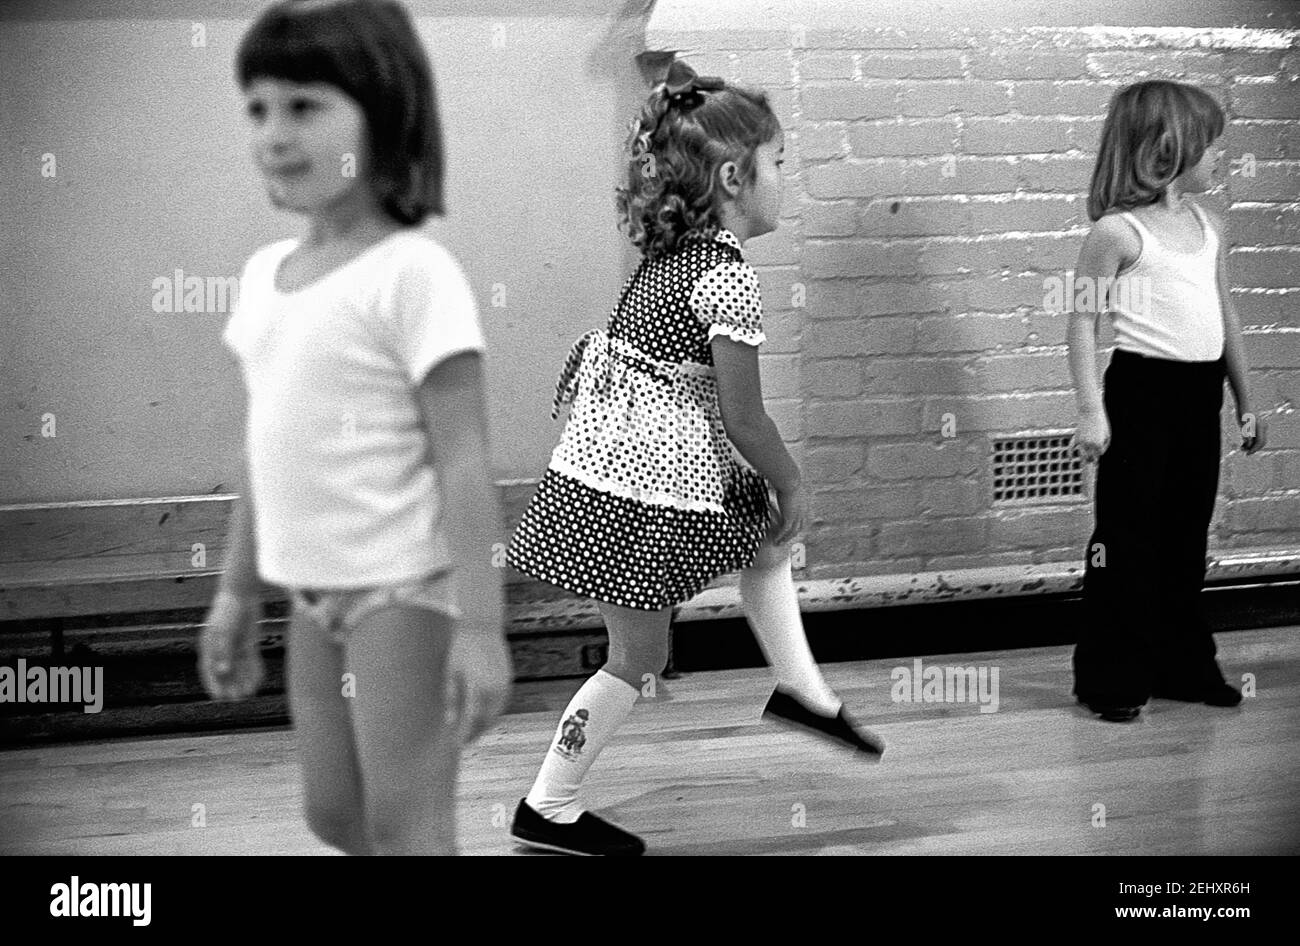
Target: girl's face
x,y
309,141
1199,178
760,202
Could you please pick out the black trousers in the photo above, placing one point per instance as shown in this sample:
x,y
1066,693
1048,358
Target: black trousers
x,y
1144,630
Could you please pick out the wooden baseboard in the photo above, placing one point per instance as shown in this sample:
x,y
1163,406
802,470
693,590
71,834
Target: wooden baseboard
x,y
150,684
150,556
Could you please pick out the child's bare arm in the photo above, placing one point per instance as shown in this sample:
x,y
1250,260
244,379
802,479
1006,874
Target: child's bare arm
x,y
230,659
1103,252
1109,246
451,400
1234,352
240,574
740,401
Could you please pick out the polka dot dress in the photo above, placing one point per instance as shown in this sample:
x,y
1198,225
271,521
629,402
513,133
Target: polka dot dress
x,y
645,499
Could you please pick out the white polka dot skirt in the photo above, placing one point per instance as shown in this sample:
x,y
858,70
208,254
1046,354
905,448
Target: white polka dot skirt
x,y
645,499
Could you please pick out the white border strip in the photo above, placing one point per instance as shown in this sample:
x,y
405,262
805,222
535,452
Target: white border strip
x,y
880,591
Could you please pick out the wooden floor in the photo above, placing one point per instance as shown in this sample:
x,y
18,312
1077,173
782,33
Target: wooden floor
x,y
695,771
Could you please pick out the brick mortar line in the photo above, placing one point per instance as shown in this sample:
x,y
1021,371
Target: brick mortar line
x,y
1021,39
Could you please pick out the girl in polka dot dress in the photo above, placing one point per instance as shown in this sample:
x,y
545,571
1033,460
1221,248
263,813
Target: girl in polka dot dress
x,y
664,475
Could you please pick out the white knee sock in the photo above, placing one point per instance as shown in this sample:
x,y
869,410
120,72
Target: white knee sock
x,y
591,718
772,607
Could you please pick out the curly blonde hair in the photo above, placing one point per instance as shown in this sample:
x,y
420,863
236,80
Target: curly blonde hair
x,y
677,144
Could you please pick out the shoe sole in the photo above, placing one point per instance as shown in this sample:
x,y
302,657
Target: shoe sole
x,y
553,848
1111,717
869,755
557,849
1194,699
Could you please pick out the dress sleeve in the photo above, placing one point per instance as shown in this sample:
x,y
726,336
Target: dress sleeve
x,y
727,301
432,313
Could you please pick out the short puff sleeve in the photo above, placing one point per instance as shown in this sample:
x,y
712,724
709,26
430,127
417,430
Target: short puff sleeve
x,y
727,301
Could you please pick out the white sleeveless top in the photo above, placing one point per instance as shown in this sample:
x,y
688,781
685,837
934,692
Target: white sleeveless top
x,y
1166,305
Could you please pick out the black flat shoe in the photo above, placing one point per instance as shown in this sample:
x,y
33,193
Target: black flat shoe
x,y
1215,693
589,835
838,729
1112,714
1222,694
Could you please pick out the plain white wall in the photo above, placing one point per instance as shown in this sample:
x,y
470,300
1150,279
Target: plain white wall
x,y
153,175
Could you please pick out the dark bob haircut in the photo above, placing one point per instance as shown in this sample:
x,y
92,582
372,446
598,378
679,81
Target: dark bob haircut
x,y
1154,131
369,50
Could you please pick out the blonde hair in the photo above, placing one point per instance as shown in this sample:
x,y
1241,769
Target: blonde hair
x,y
1154,131
687,129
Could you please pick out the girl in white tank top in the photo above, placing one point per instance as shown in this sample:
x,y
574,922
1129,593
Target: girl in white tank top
x,y
1171,309
1154,261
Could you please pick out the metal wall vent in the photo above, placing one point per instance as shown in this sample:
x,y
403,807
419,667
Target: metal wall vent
x,y
1036,469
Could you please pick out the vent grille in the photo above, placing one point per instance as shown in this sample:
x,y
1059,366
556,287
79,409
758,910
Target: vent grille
x,y
1036,469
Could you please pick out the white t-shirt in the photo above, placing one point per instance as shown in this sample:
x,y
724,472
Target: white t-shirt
x,y
342,490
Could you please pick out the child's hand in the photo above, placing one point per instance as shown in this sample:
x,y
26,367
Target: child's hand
x,y
1253,433
1092,438
230,655
479,674
789,515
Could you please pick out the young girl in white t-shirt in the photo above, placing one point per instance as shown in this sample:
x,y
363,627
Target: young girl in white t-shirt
x,y
367,496
1155,261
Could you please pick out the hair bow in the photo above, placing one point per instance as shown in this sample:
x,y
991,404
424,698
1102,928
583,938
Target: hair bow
x,y
684,85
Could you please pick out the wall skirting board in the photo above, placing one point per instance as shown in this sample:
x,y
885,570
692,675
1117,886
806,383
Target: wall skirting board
x,y
124,556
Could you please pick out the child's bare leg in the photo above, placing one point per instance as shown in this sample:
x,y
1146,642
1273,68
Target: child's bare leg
x,y
409,751
638,642
332,791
